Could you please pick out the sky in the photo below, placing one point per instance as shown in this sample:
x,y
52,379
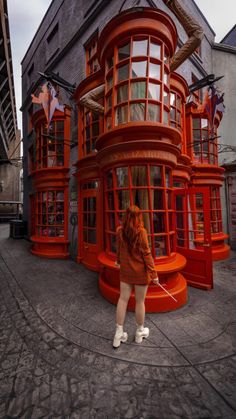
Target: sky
x,y
25,17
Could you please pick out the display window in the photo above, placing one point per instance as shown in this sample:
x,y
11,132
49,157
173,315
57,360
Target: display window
x,y
92,126
137,82
50,213
176,111
50,145
150,188
204,142
216,214
92,64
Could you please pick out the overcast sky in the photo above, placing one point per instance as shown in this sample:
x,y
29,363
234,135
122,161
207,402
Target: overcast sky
x,y
25,17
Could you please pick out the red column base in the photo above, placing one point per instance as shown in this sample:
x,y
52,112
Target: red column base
x,y
157,300
221,253
50,249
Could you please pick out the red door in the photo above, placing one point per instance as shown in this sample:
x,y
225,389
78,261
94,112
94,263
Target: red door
x,y
90,224
193,234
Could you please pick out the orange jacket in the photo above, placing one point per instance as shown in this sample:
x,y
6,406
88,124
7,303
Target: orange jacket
x,y
136,268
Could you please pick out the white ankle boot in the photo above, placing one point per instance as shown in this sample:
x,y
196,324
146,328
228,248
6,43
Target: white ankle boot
x,y
141,332
120,336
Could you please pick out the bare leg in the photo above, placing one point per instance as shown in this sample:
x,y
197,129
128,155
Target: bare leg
x,y
140,294
125,291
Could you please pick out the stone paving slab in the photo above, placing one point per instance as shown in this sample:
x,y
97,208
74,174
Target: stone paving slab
x,y
56,358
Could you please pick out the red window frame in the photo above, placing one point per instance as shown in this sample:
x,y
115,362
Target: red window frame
x,y
92,63
50,217
160,230
204,150
50,145
149,99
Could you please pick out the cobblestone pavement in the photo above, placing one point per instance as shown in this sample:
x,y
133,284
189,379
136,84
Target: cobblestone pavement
x,y
56,356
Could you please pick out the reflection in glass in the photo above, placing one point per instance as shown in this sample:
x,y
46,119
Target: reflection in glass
x,y
123,72
124,52
137,111
109,82
140,47
121,115
154,71
122,177
138,90
112,242
165,117
158,222
153,113
109,180
123,199
140,198
92,219
157,199
91,236
153,91
112,224
172,99
204,123
122,93
165,78
111,204
139,69
139,177
160,246
155,176
166,98
155,50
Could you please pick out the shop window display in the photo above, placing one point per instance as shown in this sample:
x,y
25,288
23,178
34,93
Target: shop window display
x,y
50,145
150,188
49,213
204,142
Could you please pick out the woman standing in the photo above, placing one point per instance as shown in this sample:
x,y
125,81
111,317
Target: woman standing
x,y
136,270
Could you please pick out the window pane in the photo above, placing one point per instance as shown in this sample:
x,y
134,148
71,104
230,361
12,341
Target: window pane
x,y
110,82
110,62
158,222
111,204
124,52
160,246
140,47
91,204
123,200
137,111
157,199
153,112
139,177
122,93
140,198
204,123
123,72
155,176
146,222
112,242
109,180
166,98
165,78
165,117
154,91
196,123
138,90
111,218
155,50
122,178
92,219
121,115
154,71
172,99
92,236
109,122
95,130
139,69
168,178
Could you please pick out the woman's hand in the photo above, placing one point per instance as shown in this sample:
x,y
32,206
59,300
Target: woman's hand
x,y
155,281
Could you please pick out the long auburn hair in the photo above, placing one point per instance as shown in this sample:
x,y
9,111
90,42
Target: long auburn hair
x,y
131,230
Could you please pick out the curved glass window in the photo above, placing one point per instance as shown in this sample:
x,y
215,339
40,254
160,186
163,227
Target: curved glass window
x,y
204,143
137,78
50,145
150,188
49,213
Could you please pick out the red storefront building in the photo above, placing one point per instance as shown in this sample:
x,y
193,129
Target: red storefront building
x,y
138,142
